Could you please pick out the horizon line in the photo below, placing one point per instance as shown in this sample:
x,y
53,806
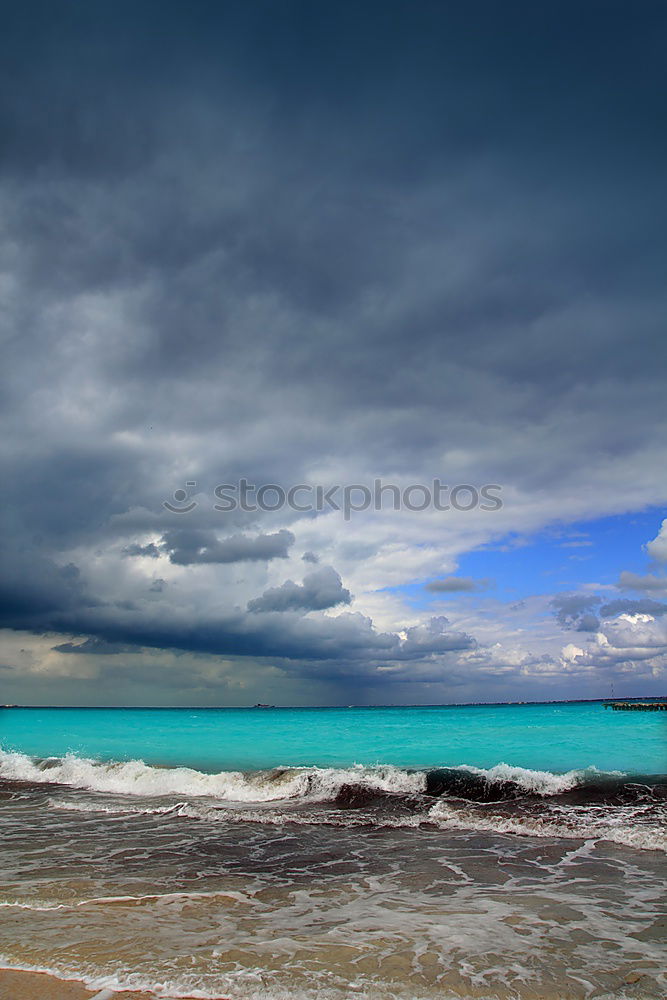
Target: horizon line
x,y
460,704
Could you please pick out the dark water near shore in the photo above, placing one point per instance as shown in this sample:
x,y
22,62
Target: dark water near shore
x,y
364,895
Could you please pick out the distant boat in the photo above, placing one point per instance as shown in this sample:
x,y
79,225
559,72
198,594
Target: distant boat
x,y
259,705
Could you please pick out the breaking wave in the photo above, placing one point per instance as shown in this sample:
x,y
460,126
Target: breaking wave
x,y
505,799
134,777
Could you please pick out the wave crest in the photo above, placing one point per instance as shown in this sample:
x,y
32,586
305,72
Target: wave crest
x,y
134,777
504,799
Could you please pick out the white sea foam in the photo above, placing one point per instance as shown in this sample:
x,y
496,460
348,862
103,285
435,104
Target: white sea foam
x,y
120,808
581,823
134,777
233,794
615,824
538,782
44,906
186,988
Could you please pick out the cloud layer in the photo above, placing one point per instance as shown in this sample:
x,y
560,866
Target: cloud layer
x,y
297,244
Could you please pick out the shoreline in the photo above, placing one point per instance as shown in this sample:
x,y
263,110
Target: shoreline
x,y
21,984
26,984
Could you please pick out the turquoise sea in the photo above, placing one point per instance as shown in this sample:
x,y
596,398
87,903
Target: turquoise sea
x,y
554,737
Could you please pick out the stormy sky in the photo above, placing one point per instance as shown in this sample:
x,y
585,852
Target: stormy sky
x,y
298,243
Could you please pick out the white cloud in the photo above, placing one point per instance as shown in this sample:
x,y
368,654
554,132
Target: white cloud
x,y
657,548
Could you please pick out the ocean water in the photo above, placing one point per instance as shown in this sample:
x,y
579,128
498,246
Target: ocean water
x,y
481,851
549,737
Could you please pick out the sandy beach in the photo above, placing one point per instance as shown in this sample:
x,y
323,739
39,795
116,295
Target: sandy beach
x,y
37,986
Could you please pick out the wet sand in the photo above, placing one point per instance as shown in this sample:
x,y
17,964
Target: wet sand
x,y
19,985
37,986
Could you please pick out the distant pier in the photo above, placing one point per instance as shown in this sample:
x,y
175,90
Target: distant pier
x,y
637,706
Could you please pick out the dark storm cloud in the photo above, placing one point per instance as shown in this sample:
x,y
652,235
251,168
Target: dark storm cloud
x,y
188,547
434,637
575,611
644,606
587,623
648,582
583,612
320,590
257,239
348,639
32,586
151,550
457,584
98,647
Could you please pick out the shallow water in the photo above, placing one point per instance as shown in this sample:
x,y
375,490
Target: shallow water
x,y
274,908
